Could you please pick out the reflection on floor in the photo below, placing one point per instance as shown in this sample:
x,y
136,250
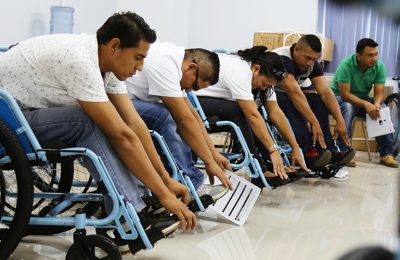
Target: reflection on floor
x,y
308,219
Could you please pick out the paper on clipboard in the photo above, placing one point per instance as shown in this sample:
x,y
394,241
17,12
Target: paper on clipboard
x,y
237,204
382,126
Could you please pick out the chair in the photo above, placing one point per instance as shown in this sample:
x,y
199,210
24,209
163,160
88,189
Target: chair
x,y
364,127
57,216
177,173
238,161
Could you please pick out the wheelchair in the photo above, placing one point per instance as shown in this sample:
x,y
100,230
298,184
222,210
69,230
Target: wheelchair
x,y
36,197
393,102
237,160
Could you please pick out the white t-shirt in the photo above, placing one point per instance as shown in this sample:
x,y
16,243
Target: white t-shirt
x,y
234,82
56,70
161,74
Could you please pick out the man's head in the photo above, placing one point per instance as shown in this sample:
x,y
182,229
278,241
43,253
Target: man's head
x,y
367,53
124,40
267,67
306,51
200,69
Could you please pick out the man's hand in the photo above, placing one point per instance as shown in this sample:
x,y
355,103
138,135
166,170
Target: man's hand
x,y
372,110
277,163
213,170
222,161
186,217
178,189
341,130
317,135
297,157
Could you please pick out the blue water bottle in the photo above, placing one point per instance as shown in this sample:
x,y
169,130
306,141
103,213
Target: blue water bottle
x,y
62,19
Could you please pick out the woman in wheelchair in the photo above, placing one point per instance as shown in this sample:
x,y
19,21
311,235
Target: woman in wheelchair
x,y
254,69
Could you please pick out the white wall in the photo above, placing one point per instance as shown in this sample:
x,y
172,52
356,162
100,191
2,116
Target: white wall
x,y
22,19
222,23
168,17
206,23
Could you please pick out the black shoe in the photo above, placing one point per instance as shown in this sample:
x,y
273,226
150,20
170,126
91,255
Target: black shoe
x,y
316,160
153,204
342,158
274,182
166,222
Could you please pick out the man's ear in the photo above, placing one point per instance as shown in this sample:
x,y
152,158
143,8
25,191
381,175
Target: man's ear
x,y
114,44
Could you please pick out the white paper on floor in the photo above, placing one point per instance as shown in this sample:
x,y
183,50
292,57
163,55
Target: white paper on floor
x,y
237,204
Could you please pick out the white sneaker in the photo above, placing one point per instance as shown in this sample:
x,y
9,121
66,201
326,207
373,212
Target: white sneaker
x,y
215,191
341,175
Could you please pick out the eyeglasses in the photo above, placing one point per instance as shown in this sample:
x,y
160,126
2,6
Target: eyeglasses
x,y
195,86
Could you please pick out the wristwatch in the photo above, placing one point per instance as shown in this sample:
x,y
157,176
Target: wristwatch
x,y
273,148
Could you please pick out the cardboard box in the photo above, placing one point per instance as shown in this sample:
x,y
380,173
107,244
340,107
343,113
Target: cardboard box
x,y
280,39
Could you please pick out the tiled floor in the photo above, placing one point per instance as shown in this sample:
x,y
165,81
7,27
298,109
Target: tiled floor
x,y
308,219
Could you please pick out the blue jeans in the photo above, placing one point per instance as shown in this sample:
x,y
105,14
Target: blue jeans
x,y
349,112
75,128
158,118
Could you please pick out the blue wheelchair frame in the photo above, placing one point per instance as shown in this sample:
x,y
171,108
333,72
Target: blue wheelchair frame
x,y
253,168
12,115
177,173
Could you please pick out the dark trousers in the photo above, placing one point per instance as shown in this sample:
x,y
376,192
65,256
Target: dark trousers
x,y
299,123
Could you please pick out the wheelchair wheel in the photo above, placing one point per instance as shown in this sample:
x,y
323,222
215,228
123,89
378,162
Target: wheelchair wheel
x,y
78,174
16,190
93,247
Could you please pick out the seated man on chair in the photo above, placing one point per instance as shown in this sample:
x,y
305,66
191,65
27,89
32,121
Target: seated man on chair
x,y
170,71
353,81
307,100
70,89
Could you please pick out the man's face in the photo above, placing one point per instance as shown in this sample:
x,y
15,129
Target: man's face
x,y
304,57
368,57
126,61
191,79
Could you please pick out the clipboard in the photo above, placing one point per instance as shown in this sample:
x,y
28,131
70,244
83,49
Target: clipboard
x,y
382,126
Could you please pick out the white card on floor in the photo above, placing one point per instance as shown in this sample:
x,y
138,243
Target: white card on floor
x,y
237,204
382,126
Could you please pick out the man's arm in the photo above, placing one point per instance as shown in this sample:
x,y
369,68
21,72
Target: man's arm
x,y
344,91
221,160
328,98
378,94
132,153
192,133
127,111
299,101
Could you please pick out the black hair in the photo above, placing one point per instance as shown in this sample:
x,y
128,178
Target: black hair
x,y
365,42
128,27
205,59
270,63
310,40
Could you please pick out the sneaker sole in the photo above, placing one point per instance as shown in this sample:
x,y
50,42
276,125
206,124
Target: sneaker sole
x,y
219,195
346,159
171,229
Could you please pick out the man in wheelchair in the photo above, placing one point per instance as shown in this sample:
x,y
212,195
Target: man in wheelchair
x,y
70,89
170,71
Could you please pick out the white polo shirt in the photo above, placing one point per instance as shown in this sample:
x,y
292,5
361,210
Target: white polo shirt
x,y
56,70
234,80
161,74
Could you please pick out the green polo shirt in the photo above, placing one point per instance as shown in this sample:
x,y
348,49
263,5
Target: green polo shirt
x,y
361,83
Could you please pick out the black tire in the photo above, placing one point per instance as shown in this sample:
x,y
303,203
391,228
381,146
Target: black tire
x,y
393,102
19,180
88,247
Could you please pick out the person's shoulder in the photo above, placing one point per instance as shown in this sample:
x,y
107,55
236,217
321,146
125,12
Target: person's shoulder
x,y
348,62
